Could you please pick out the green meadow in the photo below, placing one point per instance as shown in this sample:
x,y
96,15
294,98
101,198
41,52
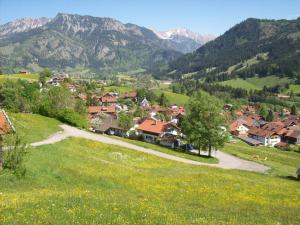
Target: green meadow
x,y
83,182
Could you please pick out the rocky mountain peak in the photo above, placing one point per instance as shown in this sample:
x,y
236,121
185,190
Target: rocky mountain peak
x,y
22,25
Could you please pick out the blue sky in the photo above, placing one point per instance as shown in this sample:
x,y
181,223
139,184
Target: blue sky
x,y
213,16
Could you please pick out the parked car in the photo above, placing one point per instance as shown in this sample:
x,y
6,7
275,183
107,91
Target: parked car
x,y
298,173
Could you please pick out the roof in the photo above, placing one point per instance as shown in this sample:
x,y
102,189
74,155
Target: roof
x,y
261,132
154,126
5,124
234,125
274,126
104,109
129,95
250,141
105,122
108,98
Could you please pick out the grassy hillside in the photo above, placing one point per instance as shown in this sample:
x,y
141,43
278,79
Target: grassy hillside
x,y
83,182
29,77
174,98
283,163
33,127
256,83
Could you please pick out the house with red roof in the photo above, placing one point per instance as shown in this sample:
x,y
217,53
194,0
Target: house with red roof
x,y
156,131
94,110
6,126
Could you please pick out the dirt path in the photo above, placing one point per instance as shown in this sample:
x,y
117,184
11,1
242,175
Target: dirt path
x,y
226,161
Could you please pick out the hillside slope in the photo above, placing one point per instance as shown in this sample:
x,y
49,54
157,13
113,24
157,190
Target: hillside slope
x,y
268,47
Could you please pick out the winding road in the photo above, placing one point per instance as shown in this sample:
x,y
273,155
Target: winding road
x,y
226,161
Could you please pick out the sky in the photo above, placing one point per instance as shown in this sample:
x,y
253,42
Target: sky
x,y
206,17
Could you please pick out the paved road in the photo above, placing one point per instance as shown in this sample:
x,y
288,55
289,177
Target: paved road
x,y
226,161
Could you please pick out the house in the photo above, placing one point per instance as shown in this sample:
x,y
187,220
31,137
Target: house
x,y
130,95
269,134
6,126
145,103
94,110
23,72
108,99
154,131
266,137
106,124
238,127
292,136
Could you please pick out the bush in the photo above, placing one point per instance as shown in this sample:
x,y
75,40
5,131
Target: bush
x,y
73,118
13,159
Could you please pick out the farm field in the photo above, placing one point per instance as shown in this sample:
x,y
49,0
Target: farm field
x,y
29,77
283,163
82,182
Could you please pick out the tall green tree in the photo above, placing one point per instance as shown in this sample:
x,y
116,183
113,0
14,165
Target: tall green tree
x,y
203,123
43,75
270,116
163,101
294,110
125,121
263,111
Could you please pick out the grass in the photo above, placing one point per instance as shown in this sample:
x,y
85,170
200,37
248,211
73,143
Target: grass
x,y
33,127
283,163
256,83
174,98
119,89
294,88
83,182
168,150
29,77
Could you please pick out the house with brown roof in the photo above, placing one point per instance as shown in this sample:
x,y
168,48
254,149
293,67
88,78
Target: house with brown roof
x,y
94,110
108,99
106,124
156,131
130,95
269,135
238,127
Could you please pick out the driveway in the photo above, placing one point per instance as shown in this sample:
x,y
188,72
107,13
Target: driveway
x,y
226,161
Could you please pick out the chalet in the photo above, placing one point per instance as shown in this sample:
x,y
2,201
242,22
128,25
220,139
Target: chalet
x,y
154,131
292,136
6,126
106,124
108,99
130,95
94,110
238,128
269,134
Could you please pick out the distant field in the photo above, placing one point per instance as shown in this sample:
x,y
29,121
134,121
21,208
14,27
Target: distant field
x,y
83,182
256,83
19,76
120,89
283,163
294,88
174,98
33,127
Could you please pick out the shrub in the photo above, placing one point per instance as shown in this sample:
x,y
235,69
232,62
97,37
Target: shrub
x,y
73,118
13,159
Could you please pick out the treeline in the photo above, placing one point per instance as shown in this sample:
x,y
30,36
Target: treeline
x,y
266,95
56,102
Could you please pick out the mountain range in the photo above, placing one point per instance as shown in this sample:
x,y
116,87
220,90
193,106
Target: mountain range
x,y
88,44
250,48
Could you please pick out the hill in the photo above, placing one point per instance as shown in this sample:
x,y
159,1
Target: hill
x,y
101,45
86,182
263,47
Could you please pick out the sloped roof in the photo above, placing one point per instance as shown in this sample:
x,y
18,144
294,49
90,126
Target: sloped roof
x,y
154,126
5,125
104,109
